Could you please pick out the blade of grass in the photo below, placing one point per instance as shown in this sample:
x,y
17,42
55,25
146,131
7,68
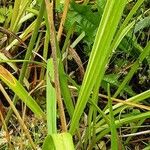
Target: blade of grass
x,y
92,115
91,130
107,120
28,54
5,128
106,128
20,10
25,35
12,34
60,30
23,126
45,53
63,78
125,27
114,137
10,81
32,41
15,13
69,33
51,99
65,90
135,130
4,58
77,40
119,107
130,15
125,102
134,68
49,9
18,61
100,52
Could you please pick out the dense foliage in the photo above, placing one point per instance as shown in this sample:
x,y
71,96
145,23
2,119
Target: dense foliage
x,y
75,74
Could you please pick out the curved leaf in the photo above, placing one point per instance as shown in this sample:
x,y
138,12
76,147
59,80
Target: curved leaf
x,y
11,81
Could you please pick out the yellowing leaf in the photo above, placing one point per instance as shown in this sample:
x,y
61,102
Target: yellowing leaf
x,y
6,75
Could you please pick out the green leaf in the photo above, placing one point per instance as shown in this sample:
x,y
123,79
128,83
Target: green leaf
x,y
2,18
142,24
134,68
3,57
100,5
99,56
114,141
19,90
121,122
113,80
48,143
51,99
86,20
61,141
147,148
2,14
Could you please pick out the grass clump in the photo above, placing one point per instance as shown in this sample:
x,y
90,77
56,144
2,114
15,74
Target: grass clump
x,y
74,74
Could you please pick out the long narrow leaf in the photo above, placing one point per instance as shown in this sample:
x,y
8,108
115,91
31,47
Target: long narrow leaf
x,y
134,68
114,143
51,99
106,128
99,55
19,90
